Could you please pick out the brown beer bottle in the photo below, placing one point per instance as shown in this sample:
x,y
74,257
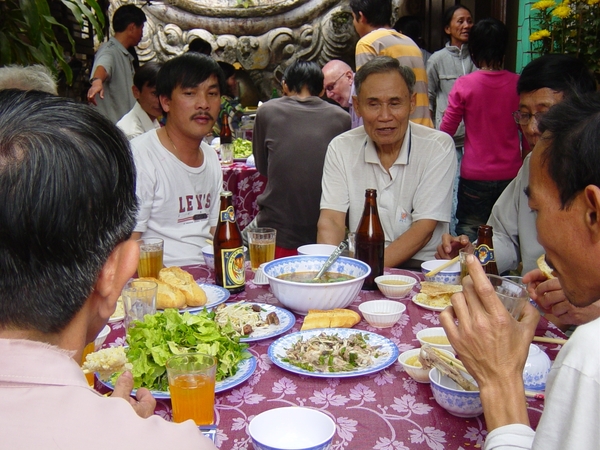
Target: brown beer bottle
x,y
226,136
485,249
370,240
230,270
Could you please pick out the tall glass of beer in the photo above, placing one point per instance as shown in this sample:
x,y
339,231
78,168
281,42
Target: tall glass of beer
x,y
151,257
262,246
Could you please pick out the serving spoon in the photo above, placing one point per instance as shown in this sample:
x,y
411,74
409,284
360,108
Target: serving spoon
x,y
334,256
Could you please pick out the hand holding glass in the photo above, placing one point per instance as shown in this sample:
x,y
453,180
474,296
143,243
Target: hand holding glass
x,y
513,296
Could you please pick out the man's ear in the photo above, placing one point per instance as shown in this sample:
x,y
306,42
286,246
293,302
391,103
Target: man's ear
x,y
136,92
592,211
413,102
117,270
356,106
165,102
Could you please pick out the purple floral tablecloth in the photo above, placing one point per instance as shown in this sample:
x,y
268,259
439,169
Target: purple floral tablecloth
x,y
387,410
247,184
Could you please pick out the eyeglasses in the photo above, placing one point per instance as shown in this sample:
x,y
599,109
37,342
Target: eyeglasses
x,y
523,118
331,87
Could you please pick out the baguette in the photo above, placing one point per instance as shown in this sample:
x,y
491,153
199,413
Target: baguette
x,y
544,267
166,295
334,318
184,281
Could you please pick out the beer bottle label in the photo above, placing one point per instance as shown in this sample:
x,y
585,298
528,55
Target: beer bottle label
x,y
233,264
228,215
485,254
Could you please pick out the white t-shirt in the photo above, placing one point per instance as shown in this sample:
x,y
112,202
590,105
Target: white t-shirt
x,y
572,406
178,203
136,122
418,185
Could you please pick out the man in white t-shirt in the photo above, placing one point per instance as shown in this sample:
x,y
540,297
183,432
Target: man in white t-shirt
x,y
179,177
564,192
411,166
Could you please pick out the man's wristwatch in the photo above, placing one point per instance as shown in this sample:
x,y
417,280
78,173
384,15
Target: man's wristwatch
x,y
94,79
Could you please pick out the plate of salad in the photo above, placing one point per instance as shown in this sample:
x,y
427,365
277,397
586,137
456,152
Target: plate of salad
x,y
333,353
151,342
242,149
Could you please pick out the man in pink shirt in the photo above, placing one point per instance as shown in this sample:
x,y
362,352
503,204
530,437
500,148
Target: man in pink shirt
x,y
485,99
68,209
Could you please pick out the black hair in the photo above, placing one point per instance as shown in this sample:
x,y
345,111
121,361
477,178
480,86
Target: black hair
x,y
188,71
572,129
377,12
449,14
384,64
228,69
304,73
411,27
561,73
146,75
487,42
199,45
67,183
125,15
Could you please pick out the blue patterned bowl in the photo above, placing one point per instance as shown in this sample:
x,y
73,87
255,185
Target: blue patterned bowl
x,y
450,275
536,370
452,397
300,297
291,427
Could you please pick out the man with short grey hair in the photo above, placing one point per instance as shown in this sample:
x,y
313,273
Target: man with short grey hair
x,y
28,78
411,166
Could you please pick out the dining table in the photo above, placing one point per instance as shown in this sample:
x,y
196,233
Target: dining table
x,y
246,183
386,410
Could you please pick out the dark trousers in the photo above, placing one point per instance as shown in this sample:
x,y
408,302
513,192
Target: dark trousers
x,y
475,201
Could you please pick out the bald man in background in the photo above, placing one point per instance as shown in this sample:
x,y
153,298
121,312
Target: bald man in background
x,y
338,83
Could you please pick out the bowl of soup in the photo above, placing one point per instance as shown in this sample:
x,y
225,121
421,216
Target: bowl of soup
x,y
395,286
436,337
292,282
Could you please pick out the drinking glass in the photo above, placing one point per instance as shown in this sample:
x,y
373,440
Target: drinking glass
x,y
262,246
192,387
139,299
151,257
513,296
226,154
462,254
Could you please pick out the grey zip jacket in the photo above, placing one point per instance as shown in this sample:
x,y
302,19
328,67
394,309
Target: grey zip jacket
x,y
443,68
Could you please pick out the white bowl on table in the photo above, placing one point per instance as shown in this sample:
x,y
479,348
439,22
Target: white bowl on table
x,y
382,313
390,287
435,332
316,249
291,428
449,275
101,338
416,372
452,397
300,297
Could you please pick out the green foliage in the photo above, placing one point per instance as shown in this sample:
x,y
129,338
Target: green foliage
x,y
27,32
571,27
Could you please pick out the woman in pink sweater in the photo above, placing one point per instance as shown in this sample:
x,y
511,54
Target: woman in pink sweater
x,y
485,100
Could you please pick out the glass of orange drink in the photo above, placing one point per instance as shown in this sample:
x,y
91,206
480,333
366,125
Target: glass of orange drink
x,y
151,257
192,387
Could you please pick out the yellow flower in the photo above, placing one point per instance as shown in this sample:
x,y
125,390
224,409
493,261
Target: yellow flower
x,y
544,4
593,2
562,11
538,35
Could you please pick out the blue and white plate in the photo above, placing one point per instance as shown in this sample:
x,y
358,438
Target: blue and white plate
x,y
215,295
286,322
277,351
245,370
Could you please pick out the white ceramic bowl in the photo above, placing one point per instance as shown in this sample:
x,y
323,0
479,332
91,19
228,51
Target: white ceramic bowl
x,y
434,332
419,374
300,297
395,290
291,428
382,313
101,337
537,368
209,256
316,249
450,275
452,397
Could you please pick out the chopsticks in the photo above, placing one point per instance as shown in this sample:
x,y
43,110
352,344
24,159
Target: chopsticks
x,y
538,395
442,267
549,340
